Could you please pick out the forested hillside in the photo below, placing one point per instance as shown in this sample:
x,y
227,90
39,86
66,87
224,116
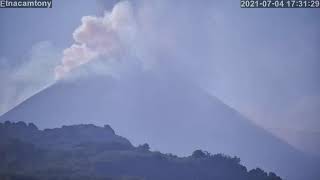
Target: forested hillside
x,y
90,152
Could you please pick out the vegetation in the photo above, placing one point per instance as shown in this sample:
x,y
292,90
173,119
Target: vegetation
x,y
95,153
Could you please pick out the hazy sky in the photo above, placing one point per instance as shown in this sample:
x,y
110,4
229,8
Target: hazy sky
x,y
262,62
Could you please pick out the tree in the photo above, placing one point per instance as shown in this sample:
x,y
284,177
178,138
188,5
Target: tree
x,y
199,154
144,147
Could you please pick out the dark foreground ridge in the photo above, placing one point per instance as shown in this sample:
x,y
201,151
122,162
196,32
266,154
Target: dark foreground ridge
x,y
88,152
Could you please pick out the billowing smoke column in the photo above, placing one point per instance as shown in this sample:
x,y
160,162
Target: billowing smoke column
x,y
99,37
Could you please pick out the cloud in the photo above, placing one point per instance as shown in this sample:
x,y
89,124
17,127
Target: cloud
x,y
19,82
149,32
105,37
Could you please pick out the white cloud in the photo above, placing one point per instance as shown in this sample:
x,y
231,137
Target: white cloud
x,y
104,37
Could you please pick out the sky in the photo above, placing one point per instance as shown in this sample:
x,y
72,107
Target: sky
x,y
262,62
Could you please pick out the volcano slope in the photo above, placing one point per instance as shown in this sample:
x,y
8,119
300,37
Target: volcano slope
x,y
166,111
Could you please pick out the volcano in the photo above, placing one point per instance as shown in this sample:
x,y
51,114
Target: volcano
x,y
168,112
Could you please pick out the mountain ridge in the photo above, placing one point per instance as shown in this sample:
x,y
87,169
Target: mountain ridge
x,y
62,138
